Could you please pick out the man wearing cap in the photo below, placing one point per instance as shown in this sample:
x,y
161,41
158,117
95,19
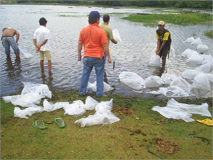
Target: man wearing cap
x,y
8,40
163,41
94,41
41,41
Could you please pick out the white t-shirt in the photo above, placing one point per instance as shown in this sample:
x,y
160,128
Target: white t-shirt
x,y
41,34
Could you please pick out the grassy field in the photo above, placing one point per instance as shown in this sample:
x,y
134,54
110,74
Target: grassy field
x,y
179,19
128,138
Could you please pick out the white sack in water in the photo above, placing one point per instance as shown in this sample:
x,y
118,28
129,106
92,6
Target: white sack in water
x,y
197,41
103,115
25,53
202,48
182,111
182,83
207,58
173,91
190,40
167,78
26,112
116,35
154,61
196,59
201,81
93,86
153,81
189,74
132,80
205,68
189,52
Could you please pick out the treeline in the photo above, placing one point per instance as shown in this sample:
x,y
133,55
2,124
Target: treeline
x,y
142,3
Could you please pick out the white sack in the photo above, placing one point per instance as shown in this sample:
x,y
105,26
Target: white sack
x,y
103,115
202,48
153,81
207,58
27,100
195,59
116,35
74,109
93,86
40,89
182,111
26,112
25,53
190,108
90,103
189,74
167,78
182,83
155,61
189,52
201,81
190,40
173,113
197,41
205,68
132,80
173,91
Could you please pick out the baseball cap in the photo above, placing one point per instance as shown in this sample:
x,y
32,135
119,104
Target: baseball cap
x,y
161,23
94,14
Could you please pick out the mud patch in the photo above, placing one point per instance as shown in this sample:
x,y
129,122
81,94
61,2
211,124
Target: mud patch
x,y
166,146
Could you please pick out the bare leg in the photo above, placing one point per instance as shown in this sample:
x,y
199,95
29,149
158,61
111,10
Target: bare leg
x,y
163,62
17,55
49,65
42,65
8,56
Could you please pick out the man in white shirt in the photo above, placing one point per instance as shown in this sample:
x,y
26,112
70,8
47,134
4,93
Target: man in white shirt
x,y
41,41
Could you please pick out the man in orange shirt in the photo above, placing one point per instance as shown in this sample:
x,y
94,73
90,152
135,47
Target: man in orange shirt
x,y
94,41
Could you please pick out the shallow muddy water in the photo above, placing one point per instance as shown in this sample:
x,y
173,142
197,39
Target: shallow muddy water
x,y
65,22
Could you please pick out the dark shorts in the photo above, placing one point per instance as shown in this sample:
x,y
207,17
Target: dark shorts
x,y
164,52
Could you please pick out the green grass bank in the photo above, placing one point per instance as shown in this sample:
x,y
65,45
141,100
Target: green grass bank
x,y
178,19
126,139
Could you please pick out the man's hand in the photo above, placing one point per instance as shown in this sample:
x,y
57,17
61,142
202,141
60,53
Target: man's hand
x,y
79,57
109,60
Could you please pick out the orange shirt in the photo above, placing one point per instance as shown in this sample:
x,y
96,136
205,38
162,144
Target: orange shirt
x,y
93,37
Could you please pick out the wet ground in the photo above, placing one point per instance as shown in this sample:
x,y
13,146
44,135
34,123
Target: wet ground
x,y
65,22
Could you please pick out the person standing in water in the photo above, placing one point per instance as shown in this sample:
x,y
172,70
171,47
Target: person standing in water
x,y
163,42
8,40
41,41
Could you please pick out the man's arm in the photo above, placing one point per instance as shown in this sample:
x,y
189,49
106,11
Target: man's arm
x,y
160,47
106,50
80,46
17,36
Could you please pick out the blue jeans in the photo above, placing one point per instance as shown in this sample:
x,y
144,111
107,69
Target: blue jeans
x,y
89,63
10,41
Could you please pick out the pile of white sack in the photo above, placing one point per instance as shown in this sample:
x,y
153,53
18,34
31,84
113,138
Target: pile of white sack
x,y
32,94
192,82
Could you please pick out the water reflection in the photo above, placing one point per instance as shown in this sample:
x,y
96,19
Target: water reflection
x,y
47,79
